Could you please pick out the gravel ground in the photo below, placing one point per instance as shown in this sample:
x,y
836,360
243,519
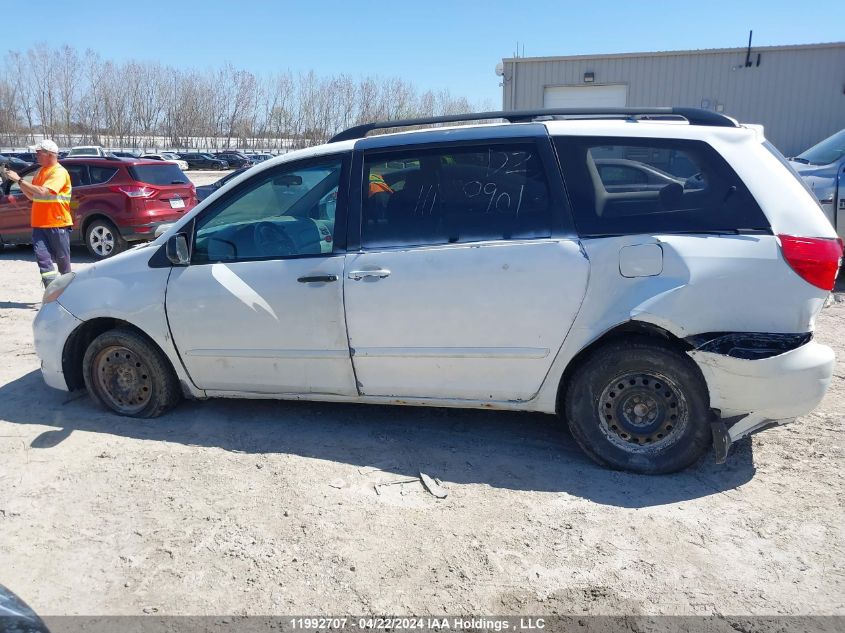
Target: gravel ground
x,y
202,177
227,507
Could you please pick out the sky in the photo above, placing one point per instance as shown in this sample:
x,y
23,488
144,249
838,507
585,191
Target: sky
x,y
435,45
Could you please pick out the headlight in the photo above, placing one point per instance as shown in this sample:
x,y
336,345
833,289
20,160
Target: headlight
x,y
57,287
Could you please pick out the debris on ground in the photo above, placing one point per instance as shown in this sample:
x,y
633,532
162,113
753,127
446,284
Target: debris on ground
x,y
432,486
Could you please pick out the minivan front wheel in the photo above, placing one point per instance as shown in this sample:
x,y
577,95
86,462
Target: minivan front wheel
x,y
126,373
639,405
103,239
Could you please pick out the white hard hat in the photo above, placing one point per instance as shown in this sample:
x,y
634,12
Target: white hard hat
x,y
48,146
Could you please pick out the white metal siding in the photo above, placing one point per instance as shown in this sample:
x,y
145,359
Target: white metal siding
x,y
797,93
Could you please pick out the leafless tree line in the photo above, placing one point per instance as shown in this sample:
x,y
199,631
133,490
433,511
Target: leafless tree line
x,y
77,97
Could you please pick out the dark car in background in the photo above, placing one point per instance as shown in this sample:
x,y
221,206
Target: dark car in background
x,y
114,201
235,159
13,162
206,190
259,158
28,157
197,160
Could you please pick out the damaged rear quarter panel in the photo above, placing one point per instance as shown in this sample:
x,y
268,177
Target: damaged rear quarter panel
x,y
709,283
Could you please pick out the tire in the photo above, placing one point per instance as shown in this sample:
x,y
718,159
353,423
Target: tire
x,y
639,405
126,373
102,239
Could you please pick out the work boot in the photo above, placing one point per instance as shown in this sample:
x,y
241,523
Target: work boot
x,y
47,277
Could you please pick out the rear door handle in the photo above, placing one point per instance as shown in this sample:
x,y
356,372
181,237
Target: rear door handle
x,y
317,279
357,275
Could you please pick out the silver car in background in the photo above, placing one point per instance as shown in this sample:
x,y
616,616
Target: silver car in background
x,y
823,169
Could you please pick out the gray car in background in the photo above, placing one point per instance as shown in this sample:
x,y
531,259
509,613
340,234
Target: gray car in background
x,y
823,169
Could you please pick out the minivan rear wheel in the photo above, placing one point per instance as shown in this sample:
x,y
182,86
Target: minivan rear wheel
x,y
126,373
639,405
103,239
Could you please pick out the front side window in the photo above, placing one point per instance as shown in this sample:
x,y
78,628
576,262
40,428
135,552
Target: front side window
x,y
635,185
285,212
455,195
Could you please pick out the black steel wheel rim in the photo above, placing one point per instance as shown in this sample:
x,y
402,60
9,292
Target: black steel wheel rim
x,y
123,379
642,411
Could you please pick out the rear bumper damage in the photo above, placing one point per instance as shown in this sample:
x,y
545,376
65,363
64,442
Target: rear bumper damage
x,y
757,381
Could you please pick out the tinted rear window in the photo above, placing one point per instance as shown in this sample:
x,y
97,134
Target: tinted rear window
x,y
165,174
626,185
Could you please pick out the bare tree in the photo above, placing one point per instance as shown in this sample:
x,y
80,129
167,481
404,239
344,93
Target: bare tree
x,y
81,97
42,74
67,79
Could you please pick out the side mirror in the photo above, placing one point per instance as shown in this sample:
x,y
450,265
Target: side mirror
x,y
177,250
287,180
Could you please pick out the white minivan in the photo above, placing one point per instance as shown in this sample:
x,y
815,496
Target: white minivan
x,y
652,276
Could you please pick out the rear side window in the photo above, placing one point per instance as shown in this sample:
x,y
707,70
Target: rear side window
x,y
630,185
455,195
164,174
100,175
78,175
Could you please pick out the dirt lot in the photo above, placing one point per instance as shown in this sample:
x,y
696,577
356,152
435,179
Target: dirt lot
x,y
226,507
203,177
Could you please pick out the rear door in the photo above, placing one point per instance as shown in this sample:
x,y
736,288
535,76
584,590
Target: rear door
x,y
468,276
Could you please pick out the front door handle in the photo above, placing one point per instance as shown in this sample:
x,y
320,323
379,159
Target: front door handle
x,y
317,279
380,273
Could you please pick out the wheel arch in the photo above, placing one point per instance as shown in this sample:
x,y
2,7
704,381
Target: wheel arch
x,y
626,330
95,215
81,338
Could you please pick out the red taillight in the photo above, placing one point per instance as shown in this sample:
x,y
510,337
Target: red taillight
x,y
815,259
134,191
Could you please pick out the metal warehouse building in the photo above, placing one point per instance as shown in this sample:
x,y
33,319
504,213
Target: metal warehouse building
x,y
796,92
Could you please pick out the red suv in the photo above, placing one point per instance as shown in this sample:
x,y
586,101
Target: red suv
x,y
114,201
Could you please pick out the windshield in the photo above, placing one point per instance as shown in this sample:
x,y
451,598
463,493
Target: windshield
x,y
828,151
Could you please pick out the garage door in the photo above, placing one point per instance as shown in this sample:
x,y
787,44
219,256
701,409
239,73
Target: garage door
x,y
614,96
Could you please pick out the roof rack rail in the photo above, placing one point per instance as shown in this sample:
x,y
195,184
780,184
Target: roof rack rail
x,y
695,116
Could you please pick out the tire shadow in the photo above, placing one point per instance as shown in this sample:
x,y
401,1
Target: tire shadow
x,y
516,451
